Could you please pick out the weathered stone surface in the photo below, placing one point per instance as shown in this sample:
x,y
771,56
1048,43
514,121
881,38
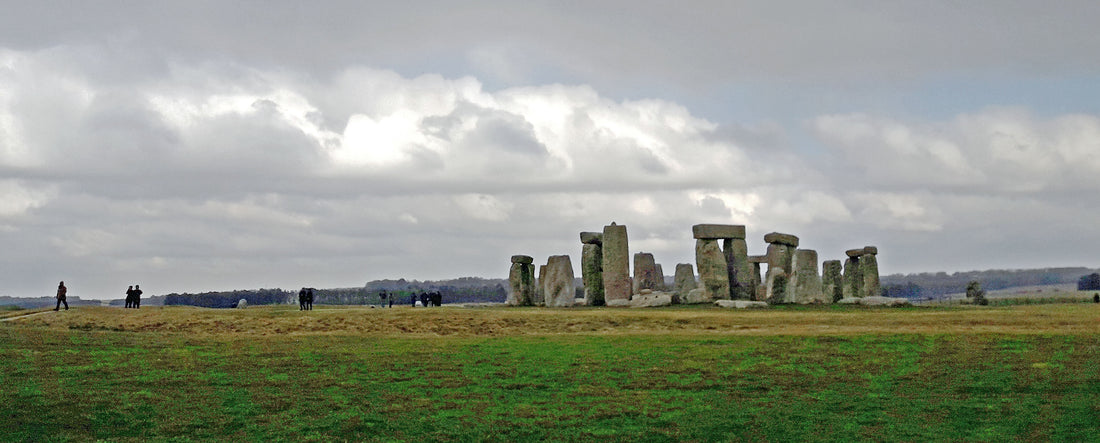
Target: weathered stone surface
x,y
783,239
832,282
645,272
616,263
739,269
883,301
242,303
661,286
741,304
540,293
868,268
870,250
592,273
526,259
805,284
521,285
758,258
696,296
652,300
560,284
780,256
644,292
854,252
684,281
853,279
777,282
715,232
592,238
712,269
618,303
580,302
848,301
757,281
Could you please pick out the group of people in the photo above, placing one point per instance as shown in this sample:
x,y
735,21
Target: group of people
x,y
433,298
305,299
133,297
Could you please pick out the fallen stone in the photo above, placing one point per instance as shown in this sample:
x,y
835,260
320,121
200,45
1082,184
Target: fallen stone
x,y
696,296
525,259
883,301
783,239
848,301
653,300
618,303
592,238
714,232
741,304
645,292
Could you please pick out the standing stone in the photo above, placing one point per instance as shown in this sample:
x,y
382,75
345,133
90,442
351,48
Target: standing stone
x,y
521,281
645,272
781,249
661,286
777,286
683,282
832,284
853,279
740,269
616,263
712,270
592,268
540,294
805,284
757,280
560,286
868,267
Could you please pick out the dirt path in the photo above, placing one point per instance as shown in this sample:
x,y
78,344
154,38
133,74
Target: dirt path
x,y
24,316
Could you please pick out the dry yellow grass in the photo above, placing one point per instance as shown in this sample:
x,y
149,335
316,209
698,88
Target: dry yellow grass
x,y
1072,319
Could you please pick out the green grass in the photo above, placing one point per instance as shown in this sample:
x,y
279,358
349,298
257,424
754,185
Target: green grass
x,y
104,385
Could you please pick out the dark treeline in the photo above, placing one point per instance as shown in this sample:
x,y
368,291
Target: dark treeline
x,y
934,285
1089,282
462,290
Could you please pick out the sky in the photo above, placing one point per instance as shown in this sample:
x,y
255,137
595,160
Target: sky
x,y
211,145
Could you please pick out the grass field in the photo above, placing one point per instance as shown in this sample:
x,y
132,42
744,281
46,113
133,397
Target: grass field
x,y
519,374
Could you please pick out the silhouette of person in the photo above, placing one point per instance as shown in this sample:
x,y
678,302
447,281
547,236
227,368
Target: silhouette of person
x,y
382,299
302,299
62,291
130,296
309,299
424,299
1096,298
137,296
437,298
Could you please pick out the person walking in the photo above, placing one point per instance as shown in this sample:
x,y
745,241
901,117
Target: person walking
x,y
130,297
61,293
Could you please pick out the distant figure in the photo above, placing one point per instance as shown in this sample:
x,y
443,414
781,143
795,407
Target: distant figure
x,y
424,299
1096,298
382,299
61,292
302,299
130,296
437,298
391,300
412,299
309,299
137,296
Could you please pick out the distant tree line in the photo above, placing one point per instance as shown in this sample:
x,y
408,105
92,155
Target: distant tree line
x,y
1089,282
462,290
933,285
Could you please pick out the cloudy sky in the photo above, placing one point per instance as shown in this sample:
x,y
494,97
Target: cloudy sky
x,y
210,145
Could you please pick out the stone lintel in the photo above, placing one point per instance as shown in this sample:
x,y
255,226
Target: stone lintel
x,y
592,238
526,259
758,259
783,239
870,250
714,232
854,252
